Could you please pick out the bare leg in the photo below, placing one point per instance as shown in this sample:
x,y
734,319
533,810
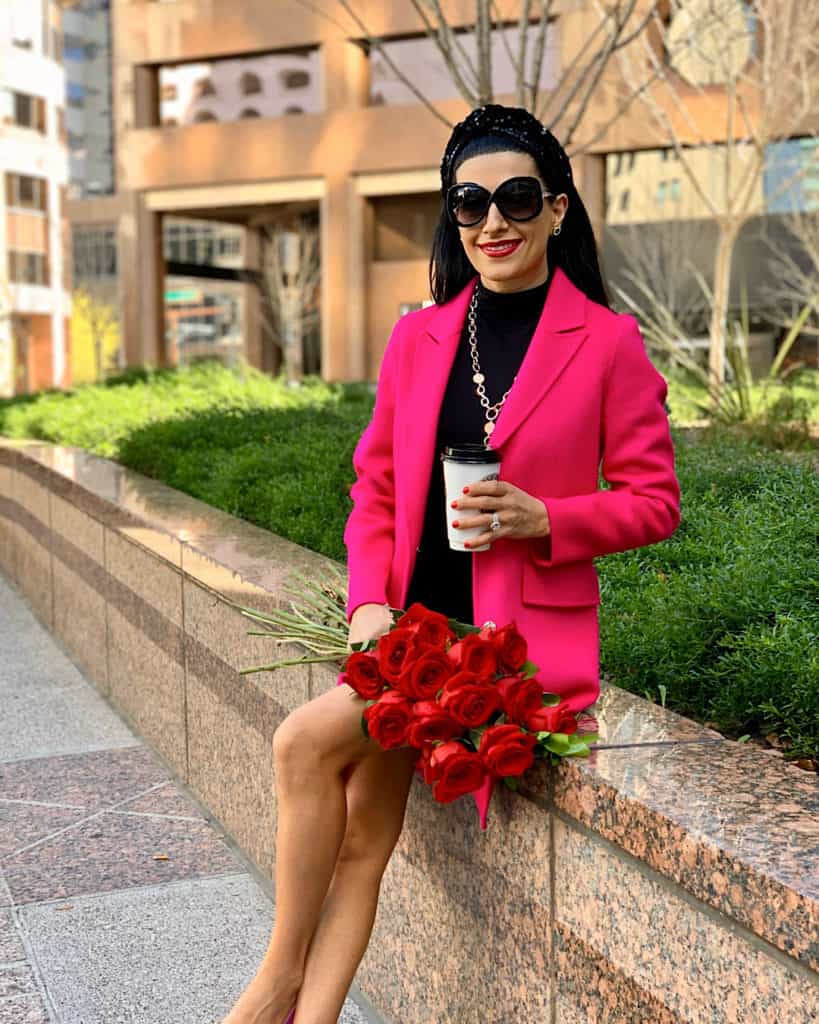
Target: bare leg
x,y
377,796
311,748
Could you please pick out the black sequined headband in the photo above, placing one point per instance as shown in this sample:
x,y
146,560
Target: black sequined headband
x,y
517,124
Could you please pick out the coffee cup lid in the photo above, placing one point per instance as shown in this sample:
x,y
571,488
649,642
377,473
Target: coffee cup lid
x,y
476,454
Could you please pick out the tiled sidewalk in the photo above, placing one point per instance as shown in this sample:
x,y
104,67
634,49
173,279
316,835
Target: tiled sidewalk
x,y
121,901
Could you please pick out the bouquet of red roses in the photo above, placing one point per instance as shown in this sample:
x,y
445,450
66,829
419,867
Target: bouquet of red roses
x,y
466,697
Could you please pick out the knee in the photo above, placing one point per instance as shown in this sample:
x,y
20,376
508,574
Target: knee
x,y
295,747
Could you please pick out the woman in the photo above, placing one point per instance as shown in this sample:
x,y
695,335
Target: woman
x,y
521,353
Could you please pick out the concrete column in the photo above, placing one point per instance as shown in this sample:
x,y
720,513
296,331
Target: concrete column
x,y
146,97
142,284
343,282
343,259
346,71
590,177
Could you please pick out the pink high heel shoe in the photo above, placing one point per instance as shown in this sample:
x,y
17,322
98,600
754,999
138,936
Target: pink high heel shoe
x,y
291,1016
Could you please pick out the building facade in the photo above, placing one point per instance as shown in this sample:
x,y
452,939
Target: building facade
x,y
247,115
34,268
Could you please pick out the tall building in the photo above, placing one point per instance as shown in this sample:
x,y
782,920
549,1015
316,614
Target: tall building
x,y
34,270
89,116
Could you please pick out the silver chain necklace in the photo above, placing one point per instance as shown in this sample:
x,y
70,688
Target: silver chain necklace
x,y
492,410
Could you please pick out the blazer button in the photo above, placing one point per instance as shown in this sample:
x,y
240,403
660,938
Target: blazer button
x,y
418,549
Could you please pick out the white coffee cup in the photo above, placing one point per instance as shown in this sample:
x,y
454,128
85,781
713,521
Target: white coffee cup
x,y
464,465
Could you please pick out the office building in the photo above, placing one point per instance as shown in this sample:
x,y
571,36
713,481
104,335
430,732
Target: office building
x,y
34,269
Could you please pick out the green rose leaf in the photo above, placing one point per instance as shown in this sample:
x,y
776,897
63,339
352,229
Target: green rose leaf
x,y
557,742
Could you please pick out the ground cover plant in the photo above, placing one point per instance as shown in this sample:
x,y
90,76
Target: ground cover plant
x,y
721,621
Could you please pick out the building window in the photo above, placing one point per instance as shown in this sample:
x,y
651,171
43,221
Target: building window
x,y
250,83
75,94
625,195
73,47
293,110
25,192
94,251
295,79
204,87
618,164
675,190
29,111
249,112
228,245
27,267
204,115
662,192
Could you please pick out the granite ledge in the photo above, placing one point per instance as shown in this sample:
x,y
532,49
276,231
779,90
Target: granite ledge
x,y
154,515
733,827
703,811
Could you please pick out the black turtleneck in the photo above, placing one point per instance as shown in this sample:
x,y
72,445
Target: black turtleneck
x,y
442,579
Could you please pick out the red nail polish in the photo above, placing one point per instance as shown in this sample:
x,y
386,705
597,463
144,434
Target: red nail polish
x,y
466,490
454,522
466,543
454,504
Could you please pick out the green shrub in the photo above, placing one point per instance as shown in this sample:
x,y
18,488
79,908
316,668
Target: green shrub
x,y
724,614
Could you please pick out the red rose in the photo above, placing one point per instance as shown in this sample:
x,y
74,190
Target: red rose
x,y
453,771
388,719
429,723
361,673
559,718
468,700
425,763
392,650
475,654
505,750
511,648
424,673
431,629
413,615
521,697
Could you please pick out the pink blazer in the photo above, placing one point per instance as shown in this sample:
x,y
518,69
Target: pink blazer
x,y
585,392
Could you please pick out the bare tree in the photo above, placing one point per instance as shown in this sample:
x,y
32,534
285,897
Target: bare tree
x,y
291,279
526,36
99,319
656,263
792,281
747,81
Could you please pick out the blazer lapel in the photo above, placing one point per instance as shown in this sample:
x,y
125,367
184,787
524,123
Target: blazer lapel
x,y
559,334
432,362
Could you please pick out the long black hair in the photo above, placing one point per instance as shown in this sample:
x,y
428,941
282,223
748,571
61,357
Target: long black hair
x,y
574,250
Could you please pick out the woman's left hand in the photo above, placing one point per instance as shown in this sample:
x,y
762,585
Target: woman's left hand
x,y
521,515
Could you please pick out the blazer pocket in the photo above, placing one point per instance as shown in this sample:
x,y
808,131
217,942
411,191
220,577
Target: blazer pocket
x,y
571,584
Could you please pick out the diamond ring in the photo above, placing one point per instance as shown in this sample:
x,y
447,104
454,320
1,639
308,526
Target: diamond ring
x,y
495,524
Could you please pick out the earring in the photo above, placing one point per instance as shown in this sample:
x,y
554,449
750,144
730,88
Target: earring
x,y
557,229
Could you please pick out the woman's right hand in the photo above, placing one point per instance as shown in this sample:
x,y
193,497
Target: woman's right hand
x,y
369,622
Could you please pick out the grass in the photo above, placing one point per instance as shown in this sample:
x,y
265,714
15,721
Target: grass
x,y
721,620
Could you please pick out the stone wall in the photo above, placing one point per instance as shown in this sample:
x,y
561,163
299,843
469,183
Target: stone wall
x,y
672,876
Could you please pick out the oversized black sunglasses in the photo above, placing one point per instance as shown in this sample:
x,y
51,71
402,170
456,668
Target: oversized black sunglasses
x,y
517,199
